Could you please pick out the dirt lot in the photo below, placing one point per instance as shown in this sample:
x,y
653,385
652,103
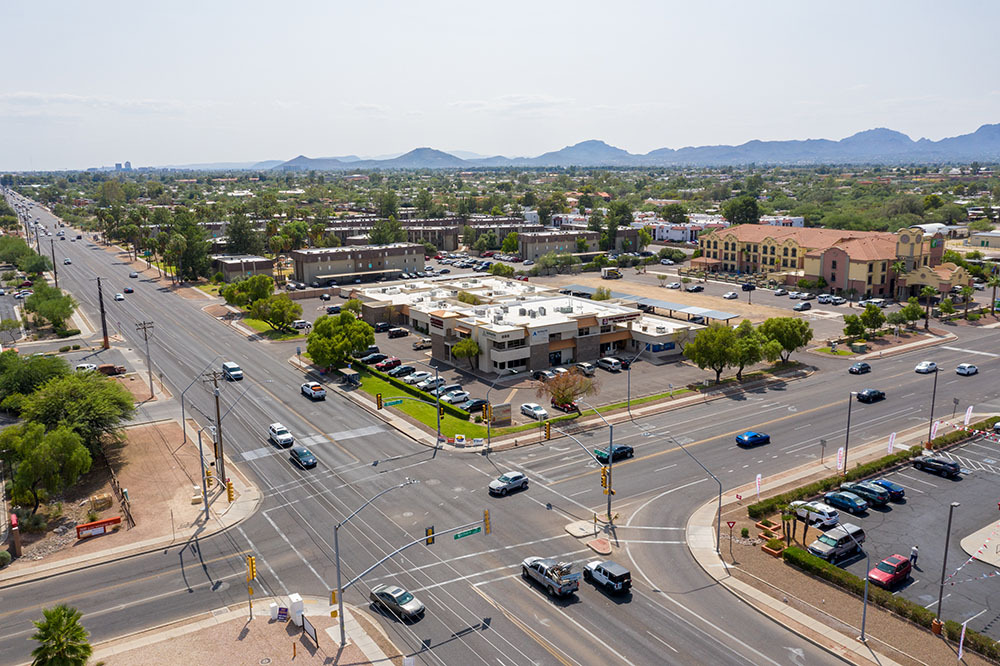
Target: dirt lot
x,y
755,313
158,473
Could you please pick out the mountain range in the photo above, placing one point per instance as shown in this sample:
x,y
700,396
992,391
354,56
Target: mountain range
x,y
874,146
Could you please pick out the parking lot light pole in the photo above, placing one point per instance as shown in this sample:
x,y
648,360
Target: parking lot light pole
x,y
930,419
336,553
868,567
718,517
847,434
944,558
628,374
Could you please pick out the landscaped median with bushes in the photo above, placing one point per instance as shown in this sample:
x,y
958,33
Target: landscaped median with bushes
x,y
910,610
775,504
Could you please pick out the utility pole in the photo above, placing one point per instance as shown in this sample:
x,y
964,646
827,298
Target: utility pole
x,y
104,321
55,271
219,458
147,329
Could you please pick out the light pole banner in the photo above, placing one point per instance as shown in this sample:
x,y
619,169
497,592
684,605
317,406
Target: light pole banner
x,y
840,459
968,415
758,487
961,641
934,429
892,440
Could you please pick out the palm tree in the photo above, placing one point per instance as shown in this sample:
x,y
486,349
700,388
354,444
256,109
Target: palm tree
x,y
928,293
993,282
899,268
62,639
967,293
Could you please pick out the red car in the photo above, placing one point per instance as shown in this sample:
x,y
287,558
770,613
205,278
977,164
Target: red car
x,y
437,256
388,364
488,253
568,407
26,283
891,571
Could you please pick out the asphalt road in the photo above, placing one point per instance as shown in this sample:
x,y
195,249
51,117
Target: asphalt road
x,y
479,609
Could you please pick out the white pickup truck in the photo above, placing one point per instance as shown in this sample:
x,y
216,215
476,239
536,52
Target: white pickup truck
x,y
553,575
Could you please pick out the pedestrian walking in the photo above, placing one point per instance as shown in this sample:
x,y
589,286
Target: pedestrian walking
x,y
913,556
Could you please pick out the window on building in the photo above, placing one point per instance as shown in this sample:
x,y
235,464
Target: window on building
x,y
583,331
793,251
785,251
784,263
606,329
871,267
869,280
833,264
833,277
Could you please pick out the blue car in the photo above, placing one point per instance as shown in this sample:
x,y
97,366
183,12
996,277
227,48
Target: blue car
x,y
875,494
751,438
847,501
896,491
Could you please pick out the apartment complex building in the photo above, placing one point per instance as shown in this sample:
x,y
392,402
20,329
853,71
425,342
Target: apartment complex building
x,y
338,265
239,266
533,245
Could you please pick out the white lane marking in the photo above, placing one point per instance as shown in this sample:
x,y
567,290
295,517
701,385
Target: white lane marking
x,y
267,564
295,550
803,427
314,439
486,571
357,432
662,641
587,490
257,453
653,499
660,469
669,543
650,527
972,351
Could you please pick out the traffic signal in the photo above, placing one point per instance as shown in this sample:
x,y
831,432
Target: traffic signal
x,y
604,477
486,520
251,568
548,430
208,476
486,412
333,597
441,410
430,535
230,492
378,400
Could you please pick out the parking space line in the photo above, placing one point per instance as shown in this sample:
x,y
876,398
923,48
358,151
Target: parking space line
x,y
934,602
913,478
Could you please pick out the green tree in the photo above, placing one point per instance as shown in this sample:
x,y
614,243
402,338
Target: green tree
x,y
713,347
853,326
967,293
424,202
674,213
502,270
10,326
249,290
565,388
791,333
993,282
90,404
581,245
21,375
34,264
469,235
510,243
872,318
742,210
645,238
601,294
277,311
62,640
46,462
946,307
334,338
242,237
353,305
466,348
387,231
386,204
50,304
927,293
912,310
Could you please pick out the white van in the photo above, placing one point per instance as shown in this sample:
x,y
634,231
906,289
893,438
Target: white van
x,y
232,371
610,364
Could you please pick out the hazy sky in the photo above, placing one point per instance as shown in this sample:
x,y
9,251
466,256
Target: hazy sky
x,y
93,83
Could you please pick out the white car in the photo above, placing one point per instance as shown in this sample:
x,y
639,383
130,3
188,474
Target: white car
x,y
86,367
925,367
534,410
674,285
67,261
508,482
667,262
816,512
966,369
417,377
314,390
730,295
455,397
431,383
119,296
279,434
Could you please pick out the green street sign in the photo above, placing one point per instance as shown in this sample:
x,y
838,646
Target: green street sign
x,y
474,530
390,403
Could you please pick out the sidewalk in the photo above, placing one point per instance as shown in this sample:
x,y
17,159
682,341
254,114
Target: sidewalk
x,y
701,540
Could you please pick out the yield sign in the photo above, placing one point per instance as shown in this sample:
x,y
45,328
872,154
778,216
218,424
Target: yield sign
x,y
731,523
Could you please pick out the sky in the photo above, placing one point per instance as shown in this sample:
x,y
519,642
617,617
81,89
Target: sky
x,y
91,84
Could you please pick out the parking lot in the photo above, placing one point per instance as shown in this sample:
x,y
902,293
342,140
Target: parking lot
x,y
921,520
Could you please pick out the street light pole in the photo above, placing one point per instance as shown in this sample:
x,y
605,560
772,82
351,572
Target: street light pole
x,y
930,419
611,452
944,558
718,517
201,459
336,552
197,377
847,435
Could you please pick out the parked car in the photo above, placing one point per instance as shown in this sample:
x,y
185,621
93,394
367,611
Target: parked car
x,y
534,410
388,364
586,369
398,332
966,369
748,286
840,541
925,367
416,377
891,571
793,294
302,457
473,405
896,491
816,513
314,390
938,465
431,383
874,494
86,367
381,326
844,500
508,482
806,296
859,368
543,375
823,298
694,288
621,452
625,361
301,324
666,262
674,285
870,395
444,389
568,407
837,300
401,371
455,397
422,343
372,359
803,306
333,309
279,434
781,292
730,295
752,438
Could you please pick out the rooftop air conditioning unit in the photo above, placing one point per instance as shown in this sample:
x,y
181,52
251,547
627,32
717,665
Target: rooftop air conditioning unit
x,y
504,308
532,313
661,329
541,311
522,311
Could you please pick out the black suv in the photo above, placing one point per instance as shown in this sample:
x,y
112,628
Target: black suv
x,y
381,326
941,466
621,451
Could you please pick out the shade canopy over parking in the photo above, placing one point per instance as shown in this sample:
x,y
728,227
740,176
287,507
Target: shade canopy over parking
x,y
671,308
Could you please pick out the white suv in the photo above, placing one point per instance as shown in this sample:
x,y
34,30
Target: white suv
x,y
816,513
279,434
